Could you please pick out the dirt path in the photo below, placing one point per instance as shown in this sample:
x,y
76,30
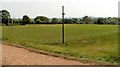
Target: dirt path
x,y
19,56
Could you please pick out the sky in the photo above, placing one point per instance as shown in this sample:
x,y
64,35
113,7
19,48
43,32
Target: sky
x,y
53,8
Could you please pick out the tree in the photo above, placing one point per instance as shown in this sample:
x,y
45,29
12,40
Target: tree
x,y
80,21
55,21
5,17
26,20
17,21
118,19
87,19
67,21
101,21
20,21
37,21
111,21
42,19
74,20
95,20
32,22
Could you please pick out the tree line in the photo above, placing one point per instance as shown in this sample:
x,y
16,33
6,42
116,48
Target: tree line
x,y
6,19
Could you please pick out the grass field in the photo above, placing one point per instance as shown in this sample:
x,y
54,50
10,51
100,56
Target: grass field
x,y
94,42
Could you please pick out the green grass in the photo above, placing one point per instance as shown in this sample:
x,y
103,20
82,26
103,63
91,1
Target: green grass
x,y
94,42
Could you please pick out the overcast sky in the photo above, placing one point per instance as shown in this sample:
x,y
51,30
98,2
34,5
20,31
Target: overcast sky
x,y
52,8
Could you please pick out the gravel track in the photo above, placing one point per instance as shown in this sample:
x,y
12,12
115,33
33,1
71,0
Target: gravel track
x,y
19,56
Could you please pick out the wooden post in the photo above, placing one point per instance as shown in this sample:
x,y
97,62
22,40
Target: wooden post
x,y
63,40
8,22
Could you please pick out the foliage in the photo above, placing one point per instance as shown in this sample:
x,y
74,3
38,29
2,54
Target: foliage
x,y
17,22
55,21
5,17
41,19
32,22
101,21
74,20
111,20
87,19
37,21
26,20
71,21
67,21
80,21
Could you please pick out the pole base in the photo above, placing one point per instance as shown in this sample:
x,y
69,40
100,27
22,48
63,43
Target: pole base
x,y
63,44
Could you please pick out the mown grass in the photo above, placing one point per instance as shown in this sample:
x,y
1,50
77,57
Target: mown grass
x,y
94,42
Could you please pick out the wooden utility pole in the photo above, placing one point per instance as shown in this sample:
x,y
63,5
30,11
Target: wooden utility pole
x,y
63,39
8,21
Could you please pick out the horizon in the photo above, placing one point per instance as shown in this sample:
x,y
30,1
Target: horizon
x,y
65,17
